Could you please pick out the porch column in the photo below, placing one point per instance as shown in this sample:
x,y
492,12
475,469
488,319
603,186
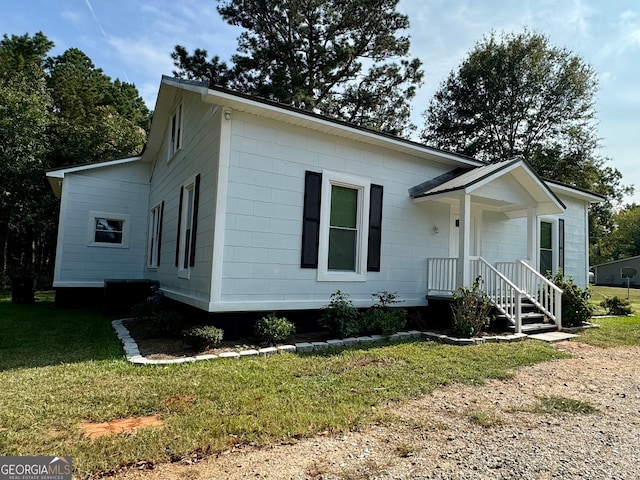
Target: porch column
x,y
464,271
532,237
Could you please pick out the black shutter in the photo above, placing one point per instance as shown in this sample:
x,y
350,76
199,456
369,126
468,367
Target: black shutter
x,y
561,244
194,221
179,225
311,219
375,228
160,219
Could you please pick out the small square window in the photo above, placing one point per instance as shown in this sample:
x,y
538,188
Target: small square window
x,y
108,230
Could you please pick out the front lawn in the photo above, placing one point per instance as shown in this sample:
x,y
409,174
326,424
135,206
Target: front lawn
x,y
60,367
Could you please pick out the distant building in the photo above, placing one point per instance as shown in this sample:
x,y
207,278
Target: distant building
x,y
610,273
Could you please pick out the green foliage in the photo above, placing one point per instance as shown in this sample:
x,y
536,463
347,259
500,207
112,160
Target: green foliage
x,y
470,311
340,317
616,306
273,329
576,308
517,95
157,322
315,59
623,241
54,112
614,332
381,318
203,337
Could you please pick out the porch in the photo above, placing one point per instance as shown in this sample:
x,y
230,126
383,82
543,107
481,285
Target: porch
x,y
519,204
527,300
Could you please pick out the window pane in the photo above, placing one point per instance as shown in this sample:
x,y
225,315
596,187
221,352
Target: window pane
x,y
108,230
546,262
342,249
344,207
545,235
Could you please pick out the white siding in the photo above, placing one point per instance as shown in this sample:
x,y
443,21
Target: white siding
x,y
119,190
576,241
261,267
199,155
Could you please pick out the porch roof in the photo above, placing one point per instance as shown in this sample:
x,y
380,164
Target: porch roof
x,y
529,190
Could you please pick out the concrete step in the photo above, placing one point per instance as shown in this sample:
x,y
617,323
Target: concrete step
x,y
536,327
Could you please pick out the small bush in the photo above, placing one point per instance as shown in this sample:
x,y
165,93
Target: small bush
x,y
272,329
576,309
203,337
340,317
384,322
616,306
157,322
381,319
470,311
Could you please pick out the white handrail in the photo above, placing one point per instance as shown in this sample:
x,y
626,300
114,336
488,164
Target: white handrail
x,y
502,292
546,295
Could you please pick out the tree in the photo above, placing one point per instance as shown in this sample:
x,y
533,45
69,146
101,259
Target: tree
x,y
311,54
517,95
624,240
94,118
24,105
53,112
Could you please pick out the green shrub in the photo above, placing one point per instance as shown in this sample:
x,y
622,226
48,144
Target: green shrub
x,y
157,322
470,311
203,337
381,318
384,322
340,317
576,309
616,306
272,329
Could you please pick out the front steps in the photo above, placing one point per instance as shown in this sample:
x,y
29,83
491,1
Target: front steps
x,y
533,321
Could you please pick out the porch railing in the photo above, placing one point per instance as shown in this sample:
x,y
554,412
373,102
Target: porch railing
x,y
442,276
505,295
541,291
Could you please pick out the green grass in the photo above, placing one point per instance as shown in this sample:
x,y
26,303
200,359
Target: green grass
x,y
59,367
559,405
613,332
599,293
484,419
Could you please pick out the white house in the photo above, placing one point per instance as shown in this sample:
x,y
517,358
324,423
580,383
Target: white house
x,y
240,204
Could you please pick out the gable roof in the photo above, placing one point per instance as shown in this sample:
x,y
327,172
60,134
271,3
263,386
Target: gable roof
x,y
223,98
622,260
449,185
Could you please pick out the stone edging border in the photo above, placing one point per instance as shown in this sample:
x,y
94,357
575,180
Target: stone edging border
x,y
133,352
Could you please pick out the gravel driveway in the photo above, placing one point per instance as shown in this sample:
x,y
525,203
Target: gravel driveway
x,y
495,431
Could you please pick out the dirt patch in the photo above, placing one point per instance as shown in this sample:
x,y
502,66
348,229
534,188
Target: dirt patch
x,y
123,425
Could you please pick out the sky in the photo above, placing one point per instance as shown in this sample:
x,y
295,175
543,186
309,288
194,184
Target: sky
x,y
133,39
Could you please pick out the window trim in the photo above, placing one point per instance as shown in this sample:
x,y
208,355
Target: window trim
x,y
363,186
126,222
175,142
153,245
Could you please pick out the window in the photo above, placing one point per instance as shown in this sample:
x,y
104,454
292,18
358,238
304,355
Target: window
x,y
175,138
155,234
343,229
108,230
187,227
341,226
546,247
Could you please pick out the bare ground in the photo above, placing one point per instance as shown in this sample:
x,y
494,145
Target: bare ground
x,y
493,431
